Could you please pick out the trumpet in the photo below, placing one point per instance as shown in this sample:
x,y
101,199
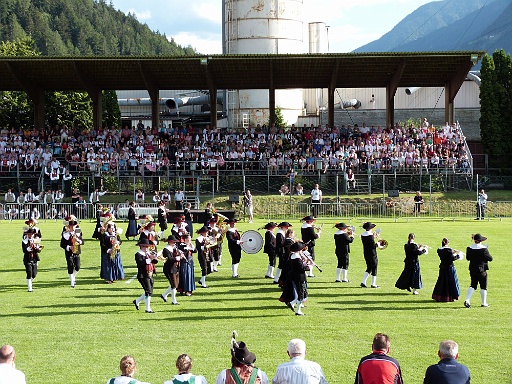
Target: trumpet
x,y
424,247
319,229
35,244
458,254
351,231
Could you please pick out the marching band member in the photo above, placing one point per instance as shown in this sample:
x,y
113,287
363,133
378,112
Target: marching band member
x,y
478,256
173,256
148,232
280,250
447,285
146,261
234,246
131,231
100,214
309,234
370,254
71,241
202,254
162,218
111,264
166,197
187,283
411,275
179,227
297,270
32,223
270,248
216,232
342,241
156,198
188,217
30,255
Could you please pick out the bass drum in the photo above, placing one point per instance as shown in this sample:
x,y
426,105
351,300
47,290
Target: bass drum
x,y
252,242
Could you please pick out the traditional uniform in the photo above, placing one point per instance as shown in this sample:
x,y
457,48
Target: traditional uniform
x,y
173,257
370,254
30,256
309,235
146,261
411,275
280,250
270,248
235,249
187,283
162,218
479,257
71,241
447,285
202,254
342,241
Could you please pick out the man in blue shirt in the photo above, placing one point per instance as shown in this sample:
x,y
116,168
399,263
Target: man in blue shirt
x,y
447,370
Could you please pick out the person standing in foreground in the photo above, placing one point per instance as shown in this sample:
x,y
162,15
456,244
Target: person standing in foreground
x,y
242,369
448,370
8,372
342,240
128,368
481,203
378,367
370,254
299,370
478,256
184,366
316,200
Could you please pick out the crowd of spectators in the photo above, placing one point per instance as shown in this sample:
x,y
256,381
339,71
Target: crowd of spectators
x,y
306,150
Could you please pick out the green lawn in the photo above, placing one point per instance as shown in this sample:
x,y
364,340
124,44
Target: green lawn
x,y
65,335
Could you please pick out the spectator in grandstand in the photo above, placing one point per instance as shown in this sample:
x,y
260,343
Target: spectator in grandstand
x,y
350,178
139,197
418,203
94,198
448,370
10,197
299,189
248,205
179,198
378,367
299,370
8,372
13,213
66,177
284,190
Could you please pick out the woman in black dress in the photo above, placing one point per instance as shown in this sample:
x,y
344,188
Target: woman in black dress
x,y
447,285
411,275
132,230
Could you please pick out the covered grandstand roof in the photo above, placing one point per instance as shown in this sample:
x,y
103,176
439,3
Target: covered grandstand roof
x,y
341,70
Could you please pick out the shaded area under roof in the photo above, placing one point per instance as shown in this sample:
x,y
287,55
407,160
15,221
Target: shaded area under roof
x,y
351,70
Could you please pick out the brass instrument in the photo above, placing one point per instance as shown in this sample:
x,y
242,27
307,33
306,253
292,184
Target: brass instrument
x,y
381,243
351,231
424,247
210,242
75,244
35,244
459,254
116,246
309,260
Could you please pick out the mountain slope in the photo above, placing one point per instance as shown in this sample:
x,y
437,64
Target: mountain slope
x,y
449,25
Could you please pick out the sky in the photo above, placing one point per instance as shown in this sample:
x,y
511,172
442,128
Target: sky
x,y
351,24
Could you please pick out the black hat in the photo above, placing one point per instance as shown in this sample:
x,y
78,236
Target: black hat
x,y
230,221
285,224
241,354
368,225
297,246
171,238
203,229
478,237
340,225
145,242
308,218
270,225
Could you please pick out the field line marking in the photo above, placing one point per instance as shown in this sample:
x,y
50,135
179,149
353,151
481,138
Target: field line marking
x,y
130,280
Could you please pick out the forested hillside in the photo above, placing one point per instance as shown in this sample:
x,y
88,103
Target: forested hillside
x,y
82,27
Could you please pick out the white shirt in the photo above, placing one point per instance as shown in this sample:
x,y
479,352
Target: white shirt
x,y
125,380
316,194
185,377
299,371
10,375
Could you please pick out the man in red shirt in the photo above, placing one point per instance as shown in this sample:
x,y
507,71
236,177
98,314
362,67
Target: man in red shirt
x,y
378,367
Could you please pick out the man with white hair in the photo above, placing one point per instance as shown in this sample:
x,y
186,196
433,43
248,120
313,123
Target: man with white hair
x,y
8,372
448,370
299,370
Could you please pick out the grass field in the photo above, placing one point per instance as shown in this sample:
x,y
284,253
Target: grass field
x,y
65,335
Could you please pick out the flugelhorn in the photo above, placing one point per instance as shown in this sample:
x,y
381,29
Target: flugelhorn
x,y
381,243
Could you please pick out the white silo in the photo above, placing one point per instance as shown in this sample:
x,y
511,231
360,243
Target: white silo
x,y
263,27
316,98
